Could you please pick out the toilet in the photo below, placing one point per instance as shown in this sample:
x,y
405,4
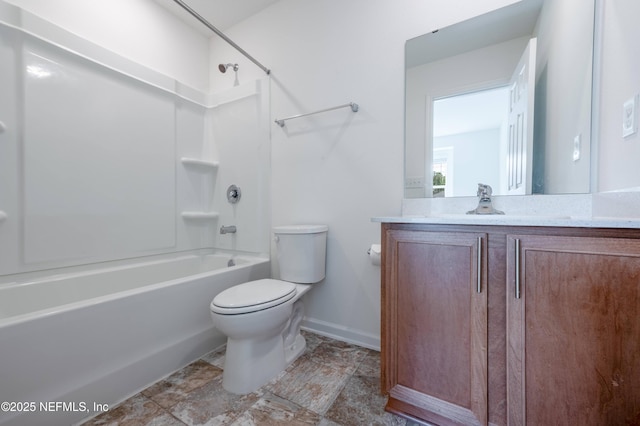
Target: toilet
x,y
261,318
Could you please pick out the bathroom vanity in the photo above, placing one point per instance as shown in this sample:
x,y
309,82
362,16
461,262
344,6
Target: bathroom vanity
x,y
511,322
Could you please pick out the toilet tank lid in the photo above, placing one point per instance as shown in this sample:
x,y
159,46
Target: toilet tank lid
x,y
300,229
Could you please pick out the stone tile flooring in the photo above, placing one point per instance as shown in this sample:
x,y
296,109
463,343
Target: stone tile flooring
x,y
332,383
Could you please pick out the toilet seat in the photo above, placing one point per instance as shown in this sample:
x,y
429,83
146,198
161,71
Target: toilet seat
x,y
253,296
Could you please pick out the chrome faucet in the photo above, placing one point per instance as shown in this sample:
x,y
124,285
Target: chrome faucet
x,y
228,229
484,204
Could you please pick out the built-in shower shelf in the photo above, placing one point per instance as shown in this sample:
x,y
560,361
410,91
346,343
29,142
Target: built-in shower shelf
x,y
200,215
187,161
3,216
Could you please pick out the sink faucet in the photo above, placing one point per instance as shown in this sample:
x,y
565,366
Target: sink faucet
x,y
228,229
484,204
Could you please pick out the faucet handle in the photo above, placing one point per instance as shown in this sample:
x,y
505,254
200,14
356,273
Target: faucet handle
x,y
484,190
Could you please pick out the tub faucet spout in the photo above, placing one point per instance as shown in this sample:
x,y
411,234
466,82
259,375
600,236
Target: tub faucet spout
x,y
228,229
484,204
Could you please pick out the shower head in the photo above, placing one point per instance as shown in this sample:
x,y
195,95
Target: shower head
x,y
223,68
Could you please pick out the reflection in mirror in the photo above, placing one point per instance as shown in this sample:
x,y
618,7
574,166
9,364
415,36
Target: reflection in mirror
x,y
469,129
544,146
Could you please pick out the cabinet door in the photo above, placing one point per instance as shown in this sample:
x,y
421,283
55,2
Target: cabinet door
x,y
573,330
434,326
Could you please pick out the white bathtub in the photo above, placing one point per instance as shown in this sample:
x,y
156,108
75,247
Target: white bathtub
x,y
85,336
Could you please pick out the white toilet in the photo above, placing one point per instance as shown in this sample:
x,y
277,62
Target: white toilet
x,y
261,319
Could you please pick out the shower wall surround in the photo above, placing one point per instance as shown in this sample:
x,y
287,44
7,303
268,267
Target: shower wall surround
x,y
240,131
91,155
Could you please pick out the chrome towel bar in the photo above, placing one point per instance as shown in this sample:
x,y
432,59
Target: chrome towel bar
x,y
354,107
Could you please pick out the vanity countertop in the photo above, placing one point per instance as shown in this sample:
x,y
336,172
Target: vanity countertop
x,y
515,220
599,210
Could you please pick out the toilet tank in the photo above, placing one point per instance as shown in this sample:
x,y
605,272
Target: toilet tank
x,y
301,252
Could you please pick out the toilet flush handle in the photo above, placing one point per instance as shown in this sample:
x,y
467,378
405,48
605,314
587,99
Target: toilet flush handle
x,y
276,238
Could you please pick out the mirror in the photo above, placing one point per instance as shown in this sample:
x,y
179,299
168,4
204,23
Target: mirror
x,y
503,99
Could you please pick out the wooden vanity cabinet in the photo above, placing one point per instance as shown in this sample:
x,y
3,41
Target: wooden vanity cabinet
x,y
553,336
435,325
573,306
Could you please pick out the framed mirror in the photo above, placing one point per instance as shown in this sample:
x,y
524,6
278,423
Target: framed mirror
x,y
503,99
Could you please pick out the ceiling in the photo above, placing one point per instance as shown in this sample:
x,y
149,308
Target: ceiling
x,y
509,22
222,14
471,112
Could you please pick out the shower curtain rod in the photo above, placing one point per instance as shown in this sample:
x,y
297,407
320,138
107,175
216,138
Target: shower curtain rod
x,y
221,34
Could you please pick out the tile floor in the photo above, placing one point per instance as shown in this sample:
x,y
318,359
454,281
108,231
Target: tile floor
x,y
332,383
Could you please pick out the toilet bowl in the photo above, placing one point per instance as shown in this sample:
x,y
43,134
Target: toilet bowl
x,y
261,319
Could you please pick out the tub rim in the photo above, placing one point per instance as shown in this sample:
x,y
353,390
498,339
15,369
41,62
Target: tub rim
x,y
251,261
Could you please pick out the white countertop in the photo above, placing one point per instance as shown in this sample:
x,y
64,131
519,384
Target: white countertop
x,y
515,220
600,210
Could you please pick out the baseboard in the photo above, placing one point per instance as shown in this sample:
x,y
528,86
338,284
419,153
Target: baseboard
x,y
342,333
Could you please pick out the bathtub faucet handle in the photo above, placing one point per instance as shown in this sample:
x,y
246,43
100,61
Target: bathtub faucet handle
x,y
233,194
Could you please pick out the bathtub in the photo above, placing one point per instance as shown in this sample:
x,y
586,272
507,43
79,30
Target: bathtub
x,y
75,342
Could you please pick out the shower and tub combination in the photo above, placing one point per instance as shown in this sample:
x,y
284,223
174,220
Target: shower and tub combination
x,y
113,187
91,337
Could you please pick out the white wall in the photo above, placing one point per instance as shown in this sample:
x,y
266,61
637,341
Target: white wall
x,y
619,157
476,158
140,30
339,168
563,93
